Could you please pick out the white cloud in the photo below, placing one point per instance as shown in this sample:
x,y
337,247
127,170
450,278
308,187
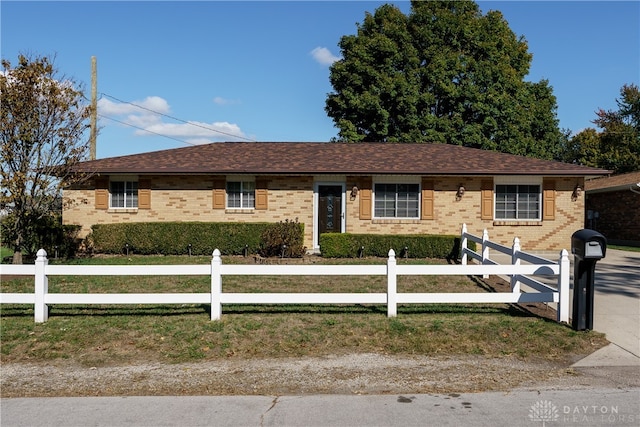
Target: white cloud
x,y
154,103
323,56
151,120
224,101
202,141
143,120
196,132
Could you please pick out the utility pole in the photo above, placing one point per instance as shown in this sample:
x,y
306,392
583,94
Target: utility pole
x,y
94,108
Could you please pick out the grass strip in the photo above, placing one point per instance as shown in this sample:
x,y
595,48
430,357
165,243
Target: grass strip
x,y
123,334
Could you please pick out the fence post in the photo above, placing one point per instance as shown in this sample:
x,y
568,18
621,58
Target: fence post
x,y
515,260
41,311
485,250
563,287
216,285
392,285
463,245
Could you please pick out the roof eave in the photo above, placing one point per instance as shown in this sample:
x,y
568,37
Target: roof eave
x,y
571,173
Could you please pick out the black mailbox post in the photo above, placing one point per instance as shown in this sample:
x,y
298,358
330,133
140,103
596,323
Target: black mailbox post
x,y
587,246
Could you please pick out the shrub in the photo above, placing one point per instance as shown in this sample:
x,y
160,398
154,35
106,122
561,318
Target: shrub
x,y
285,238
47,233
342,245
201,238
174,238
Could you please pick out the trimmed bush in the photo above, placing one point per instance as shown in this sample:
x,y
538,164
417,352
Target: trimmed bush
x,y
285,238
174,238
47,233
342,245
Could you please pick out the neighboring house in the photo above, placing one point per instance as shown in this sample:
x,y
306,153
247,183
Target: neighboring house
x,y
347,188
613,207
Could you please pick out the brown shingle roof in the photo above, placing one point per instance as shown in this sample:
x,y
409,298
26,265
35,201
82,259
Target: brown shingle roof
x,y
613,182
332,158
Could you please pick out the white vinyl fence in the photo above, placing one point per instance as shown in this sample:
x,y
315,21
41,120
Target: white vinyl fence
x,y
519,272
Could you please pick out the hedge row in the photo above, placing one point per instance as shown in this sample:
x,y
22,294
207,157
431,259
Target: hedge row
x,y
201,238
339,245
174,238
46,233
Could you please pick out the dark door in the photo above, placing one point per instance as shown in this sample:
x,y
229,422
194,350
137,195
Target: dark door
x,y
329,209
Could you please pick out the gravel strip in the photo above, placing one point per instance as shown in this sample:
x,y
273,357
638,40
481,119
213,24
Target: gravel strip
x,y
345,374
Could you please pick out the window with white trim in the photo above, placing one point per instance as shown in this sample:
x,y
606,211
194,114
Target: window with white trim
x,y
396,200
123,194
518,202
241,194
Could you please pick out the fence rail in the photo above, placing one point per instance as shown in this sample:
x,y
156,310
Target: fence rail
x,y
518,272
561,269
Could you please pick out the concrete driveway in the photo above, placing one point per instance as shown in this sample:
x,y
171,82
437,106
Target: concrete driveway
x,y
617,309
616,305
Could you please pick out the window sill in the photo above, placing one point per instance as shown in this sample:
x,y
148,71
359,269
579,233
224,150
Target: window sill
x,y
122,210
518,223
395,221
240,211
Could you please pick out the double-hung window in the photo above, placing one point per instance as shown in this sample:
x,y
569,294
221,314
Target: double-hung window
x,y
518,202
123,194
396,200
241,195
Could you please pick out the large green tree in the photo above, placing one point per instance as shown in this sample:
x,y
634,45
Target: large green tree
x,y
445,73
617,146
43,124
583,149
620,135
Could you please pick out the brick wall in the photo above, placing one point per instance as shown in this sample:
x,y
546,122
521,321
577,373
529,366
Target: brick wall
x,y
190,198
450,214
619,215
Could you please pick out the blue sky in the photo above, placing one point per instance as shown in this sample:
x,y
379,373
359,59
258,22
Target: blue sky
x,y
260,70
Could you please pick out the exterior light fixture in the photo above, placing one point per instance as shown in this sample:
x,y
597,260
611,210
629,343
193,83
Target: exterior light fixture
x,y
460,192
577,190
354,192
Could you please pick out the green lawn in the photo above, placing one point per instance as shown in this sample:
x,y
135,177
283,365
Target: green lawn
x,y
5,252
106,335
625,248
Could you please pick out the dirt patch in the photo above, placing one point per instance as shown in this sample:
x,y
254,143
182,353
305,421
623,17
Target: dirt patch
x,y
346,374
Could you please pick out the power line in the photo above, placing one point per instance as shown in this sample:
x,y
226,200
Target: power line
x,y
145,130
176,119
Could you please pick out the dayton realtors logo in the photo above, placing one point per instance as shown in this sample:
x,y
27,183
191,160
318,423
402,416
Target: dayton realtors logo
x,y
544,411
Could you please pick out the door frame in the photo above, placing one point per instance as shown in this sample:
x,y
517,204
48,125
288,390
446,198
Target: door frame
x,y
316,207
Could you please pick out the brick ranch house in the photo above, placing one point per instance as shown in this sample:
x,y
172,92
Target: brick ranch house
x,y
372,188
613,207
